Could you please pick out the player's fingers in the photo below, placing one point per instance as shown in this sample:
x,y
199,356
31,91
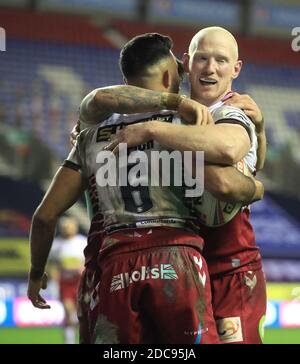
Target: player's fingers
x,y
41,299
41,302
38,301
237,104
248,110
237,96
205,117
41,305
198,119
202,120
116,150
77,126
73,137
240,100
246,97
31,297
210,119
250,115
111,145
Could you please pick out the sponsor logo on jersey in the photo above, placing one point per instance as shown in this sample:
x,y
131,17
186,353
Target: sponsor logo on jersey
x,y
162,271
230,329
104,132
161,221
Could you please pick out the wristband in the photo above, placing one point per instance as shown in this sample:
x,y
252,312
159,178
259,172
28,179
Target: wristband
x,y
171,101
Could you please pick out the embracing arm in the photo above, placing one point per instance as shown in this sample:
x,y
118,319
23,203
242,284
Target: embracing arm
x,y
262,148
103,102
228,184
123,99
221,143
56,201
251,109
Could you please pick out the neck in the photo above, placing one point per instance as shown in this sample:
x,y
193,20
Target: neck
x,y
209,101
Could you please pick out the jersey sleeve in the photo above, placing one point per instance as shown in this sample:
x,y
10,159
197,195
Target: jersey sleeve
x,y
232,115
75,159
83,110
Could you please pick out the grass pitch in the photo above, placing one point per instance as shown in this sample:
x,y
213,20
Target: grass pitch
x,y
54,335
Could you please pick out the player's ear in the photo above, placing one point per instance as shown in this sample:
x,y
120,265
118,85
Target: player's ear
x,y
237,69
166,79
186,61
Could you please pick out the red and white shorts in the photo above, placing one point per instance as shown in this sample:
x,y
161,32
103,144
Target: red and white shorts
x,y
239,304
155,294
87,288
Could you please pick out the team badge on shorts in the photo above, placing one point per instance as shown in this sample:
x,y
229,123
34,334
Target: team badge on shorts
x,y
230,330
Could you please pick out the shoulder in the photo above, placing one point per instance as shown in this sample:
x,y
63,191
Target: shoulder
x,y
225,112
86,135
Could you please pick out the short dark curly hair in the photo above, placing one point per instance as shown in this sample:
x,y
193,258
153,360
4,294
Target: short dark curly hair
x,y
143,51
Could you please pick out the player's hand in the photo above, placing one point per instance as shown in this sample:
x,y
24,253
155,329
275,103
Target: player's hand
x,y
195,113
132,135
74,133
250,108
33,289
259,187
259,191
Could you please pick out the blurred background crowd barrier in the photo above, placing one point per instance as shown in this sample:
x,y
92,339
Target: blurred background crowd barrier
x,y
53,52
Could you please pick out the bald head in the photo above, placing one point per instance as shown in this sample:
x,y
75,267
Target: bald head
x,y
212,64
215,34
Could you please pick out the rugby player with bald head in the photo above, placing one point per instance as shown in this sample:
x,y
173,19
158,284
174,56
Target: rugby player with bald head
x,y
234,260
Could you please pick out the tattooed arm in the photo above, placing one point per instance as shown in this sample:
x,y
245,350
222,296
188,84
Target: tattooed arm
x,y
103,102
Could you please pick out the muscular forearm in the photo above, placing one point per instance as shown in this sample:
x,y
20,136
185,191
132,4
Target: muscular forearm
x,y
222,144
127,100
261,150
41,238
66,187
228,184
131,99
259,191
